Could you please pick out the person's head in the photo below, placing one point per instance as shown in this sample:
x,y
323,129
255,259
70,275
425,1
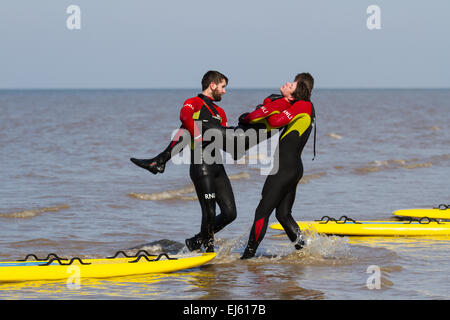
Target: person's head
x,y
300,89
305,85
213,84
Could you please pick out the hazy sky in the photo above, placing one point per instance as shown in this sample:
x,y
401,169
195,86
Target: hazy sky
x,y
256,43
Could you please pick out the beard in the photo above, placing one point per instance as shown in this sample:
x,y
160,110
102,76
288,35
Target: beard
x,y
216,95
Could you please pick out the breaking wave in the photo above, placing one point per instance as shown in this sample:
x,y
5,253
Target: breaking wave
x,y
31,213
186,193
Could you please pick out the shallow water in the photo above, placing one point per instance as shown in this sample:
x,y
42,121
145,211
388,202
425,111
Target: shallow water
x,y
68,187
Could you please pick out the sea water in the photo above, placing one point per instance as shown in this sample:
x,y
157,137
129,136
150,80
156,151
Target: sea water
x,y
67,186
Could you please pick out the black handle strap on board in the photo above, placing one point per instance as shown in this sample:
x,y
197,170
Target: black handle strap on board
x,y
152,260
423,220
53,257
341,220
65,264
442,206
50,255
140,252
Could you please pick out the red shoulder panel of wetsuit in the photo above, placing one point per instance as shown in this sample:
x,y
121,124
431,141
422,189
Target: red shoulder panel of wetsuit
x,y
267,101
283,118
268,109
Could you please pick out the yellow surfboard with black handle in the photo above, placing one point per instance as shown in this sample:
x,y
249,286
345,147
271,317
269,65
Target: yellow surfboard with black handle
x,y
440,212
350,227
55,268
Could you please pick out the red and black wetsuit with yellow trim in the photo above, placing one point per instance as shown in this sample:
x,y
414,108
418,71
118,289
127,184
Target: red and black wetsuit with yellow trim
x,y
194,111
279,189
211,182
237,140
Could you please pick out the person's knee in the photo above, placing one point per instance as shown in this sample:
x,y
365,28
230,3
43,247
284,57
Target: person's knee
x,y
282,216
231,213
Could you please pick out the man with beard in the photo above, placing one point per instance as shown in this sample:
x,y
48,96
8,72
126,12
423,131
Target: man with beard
x,y
211,182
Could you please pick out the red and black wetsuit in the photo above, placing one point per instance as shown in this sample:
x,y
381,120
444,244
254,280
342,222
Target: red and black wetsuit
x,y
211,182
280,188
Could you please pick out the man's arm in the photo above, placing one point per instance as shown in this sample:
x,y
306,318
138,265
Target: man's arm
x,y
299,110
237,140
190,107
268,109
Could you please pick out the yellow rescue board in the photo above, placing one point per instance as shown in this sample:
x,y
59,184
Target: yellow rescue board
x,y
12,271
435,213
374,228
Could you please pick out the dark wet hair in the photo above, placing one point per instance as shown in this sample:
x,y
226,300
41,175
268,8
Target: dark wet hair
x,y
212,76
305,84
